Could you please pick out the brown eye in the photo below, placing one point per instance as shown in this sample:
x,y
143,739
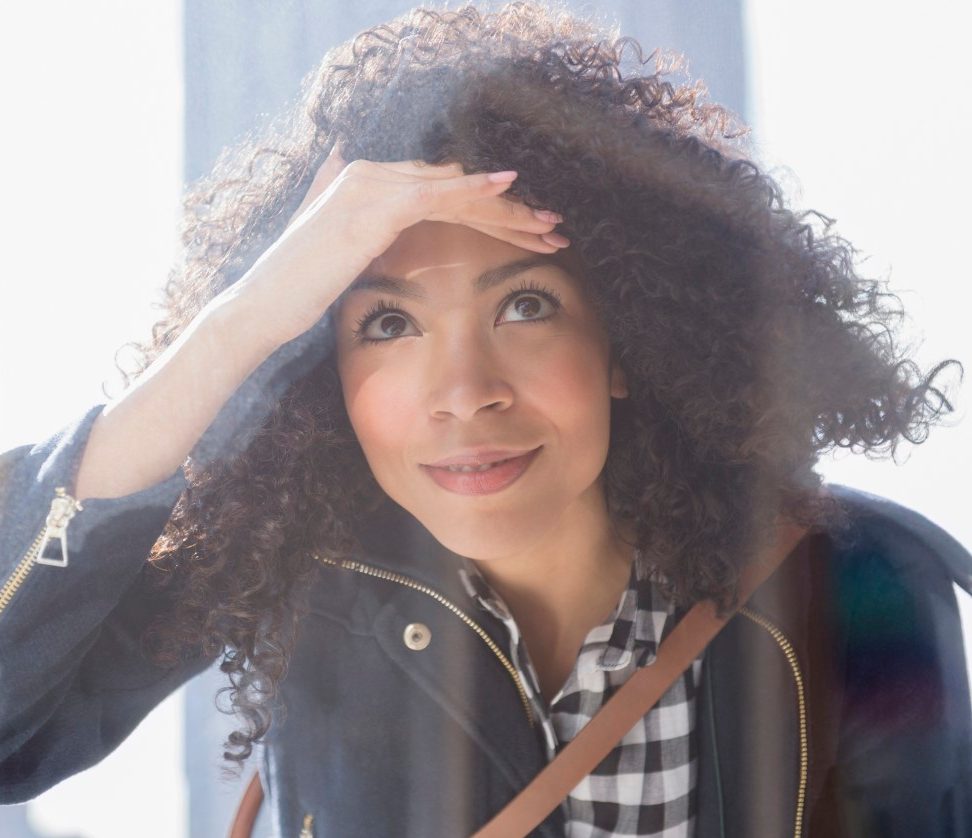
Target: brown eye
x,y
392,325
533,307
381,323
527,306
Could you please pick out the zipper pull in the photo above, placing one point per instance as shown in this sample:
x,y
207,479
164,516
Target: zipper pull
x,y
307,831
63,509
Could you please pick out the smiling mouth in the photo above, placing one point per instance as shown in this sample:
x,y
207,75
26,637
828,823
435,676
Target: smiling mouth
x,y
484,479
483,467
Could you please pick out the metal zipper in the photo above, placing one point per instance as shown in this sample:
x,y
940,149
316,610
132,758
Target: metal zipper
x,y
791,657
408,582
63,508
307,830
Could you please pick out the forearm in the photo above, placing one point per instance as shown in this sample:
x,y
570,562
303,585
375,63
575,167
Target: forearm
x,y
145,434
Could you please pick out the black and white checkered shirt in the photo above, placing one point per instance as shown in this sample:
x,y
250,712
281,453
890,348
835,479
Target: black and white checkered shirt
x,y
646,785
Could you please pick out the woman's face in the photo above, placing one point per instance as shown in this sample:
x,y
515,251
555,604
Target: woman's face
x,y
453,358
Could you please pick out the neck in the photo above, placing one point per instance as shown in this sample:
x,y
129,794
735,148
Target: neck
x,y
565,584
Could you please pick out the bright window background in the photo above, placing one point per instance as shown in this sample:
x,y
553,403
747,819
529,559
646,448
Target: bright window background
x,y
92,171
863,102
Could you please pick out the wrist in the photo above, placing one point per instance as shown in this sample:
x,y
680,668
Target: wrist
x,y
236,328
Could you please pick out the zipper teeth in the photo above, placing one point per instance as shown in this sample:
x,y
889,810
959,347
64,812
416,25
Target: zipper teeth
x,y
418,586
791,656
20,572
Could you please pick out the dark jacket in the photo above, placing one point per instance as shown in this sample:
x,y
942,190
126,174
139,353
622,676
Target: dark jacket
x,y
835,704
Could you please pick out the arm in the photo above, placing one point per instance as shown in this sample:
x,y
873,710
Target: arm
x,y
73,679
73,682
142,437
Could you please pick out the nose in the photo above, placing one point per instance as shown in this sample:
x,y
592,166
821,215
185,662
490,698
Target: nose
x,y
464,377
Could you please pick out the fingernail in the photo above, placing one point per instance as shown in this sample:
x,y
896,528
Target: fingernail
x,y
555,239
547,215
502,177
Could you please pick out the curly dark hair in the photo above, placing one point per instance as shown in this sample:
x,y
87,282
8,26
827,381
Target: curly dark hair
x,y
749,342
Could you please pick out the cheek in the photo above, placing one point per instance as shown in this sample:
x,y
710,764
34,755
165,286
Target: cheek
x,y
380,408
570,383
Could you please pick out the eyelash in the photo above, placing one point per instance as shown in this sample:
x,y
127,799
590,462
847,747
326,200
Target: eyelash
x,y
384,307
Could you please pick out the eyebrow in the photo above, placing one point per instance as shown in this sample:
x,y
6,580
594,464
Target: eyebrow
x,y
413,290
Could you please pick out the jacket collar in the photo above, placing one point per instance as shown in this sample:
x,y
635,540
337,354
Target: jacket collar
x,y
395,541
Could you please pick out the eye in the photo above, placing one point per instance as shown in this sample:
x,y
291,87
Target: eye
x,y
388,322
531,303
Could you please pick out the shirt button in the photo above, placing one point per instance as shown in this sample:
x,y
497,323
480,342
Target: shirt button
x,y
417,636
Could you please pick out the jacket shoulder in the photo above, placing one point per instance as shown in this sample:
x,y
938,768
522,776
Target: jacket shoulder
x,y
906,538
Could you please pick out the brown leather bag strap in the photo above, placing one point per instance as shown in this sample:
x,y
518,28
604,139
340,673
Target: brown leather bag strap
x,y
638,695
248,809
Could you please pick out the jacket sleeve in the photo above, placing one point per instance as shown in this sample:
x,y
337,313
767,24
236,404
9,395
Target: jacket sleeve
x,y
905,761
73,681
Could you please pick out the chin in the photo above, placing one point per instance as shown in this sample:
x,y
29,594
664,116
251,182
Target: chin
x,y
489,537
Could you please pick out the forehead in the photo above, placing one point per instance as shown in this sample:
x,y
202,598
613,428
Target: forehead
x,y
431,249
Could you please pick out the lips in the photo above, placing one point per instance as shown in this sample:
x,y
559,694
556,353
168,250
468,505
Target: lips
x,y
480,456
502,471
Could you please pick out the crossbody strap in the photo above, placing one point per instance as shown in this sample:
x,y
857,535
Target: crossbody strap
x,y
635,698
247,809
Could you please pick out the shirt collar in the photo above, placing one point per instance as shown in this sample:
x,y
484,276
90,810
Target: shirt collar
x,y
636,624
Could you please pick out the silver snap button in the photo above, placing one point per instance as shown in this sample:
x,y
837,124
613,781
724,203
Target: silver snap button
x,y
417,636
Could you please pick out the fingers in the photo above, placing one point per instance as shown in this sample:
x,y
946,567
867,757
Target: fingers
x,y
509,212
544,243
422,169
504,217
441,198
442,192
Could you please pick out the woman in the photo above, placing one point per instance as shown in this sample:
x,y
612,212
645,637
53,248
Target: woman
x,y
470,384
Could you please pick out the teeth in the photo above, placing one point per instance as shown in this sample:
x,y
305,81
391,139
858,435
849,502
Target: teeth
x,y
484,467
